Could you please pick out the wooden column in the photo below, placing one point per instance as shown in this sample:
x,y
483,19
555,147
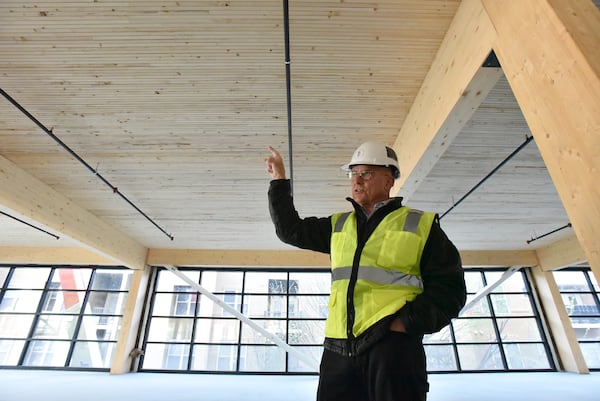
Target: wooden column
x,y
550,53
132,318
565,340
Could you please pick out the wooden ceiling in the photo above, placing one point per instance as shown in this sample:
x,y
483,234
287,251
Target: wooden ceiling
x,y
175,103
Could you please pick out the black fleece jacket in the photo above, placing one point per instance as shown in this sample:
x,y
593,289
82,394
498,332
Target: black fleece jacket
x,y
444,292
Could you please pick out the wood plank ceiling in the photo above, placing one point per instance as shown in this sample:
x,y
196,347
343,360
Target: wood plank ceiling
x,y
175,103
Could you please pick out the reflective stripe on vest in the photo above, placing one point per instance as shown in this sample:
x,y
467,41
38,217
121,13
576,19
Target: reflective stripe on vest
x,y
378,275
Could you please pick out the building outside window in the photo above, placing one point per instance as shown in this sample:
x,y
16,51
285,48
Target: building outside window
x,y
64,317
502,332
581,295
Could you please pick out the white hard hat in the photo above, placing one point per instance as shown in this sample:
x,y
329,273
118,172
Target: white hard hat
x,y
375,154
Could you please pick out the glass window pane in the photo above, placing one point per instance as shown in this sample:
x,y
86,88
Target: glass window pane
x,y
217,331
480,357
3,274
571,281
580,304
214,357
23,301
313,354
116,280
312,283
586,328
99,328
208,308
440,358
474,281
71,279
266,305
47,353
478,309
266,283
474,330
262,359
252,336
519,329
15,326
63,302
166,356
526,356
223,281
511,304
106,303
306,332
59,327
308,306
444,336
591,354
10,352
514,283
29,277
168,281
92,355
170,329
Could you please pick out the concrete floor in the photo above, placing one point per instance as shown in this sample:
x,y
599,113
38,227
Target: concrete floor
x,y
29,385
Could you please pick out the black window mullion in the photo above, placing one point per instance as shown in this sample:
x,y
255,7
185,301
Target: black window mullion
x,y
194,323
156,277
86,297
240,323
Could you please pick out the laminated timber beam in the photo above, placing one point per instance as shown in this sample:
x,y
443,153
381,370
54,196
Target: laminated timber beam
x,y
550,55
452,91
26,196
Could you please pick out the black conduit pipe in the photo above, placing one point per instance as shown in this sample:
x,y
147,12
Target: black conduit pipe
x,y
286,29
548,233
517,150
76,156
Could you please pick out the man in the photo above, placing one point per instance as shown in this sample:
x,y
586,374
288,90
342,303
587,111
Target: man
x,y
395,277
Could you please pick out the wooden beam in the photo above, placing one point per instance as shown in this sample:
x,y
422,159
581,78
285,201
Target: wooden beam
x,y
31,199
550,55
498,258
562,253
453,89
125,351
53,255
564,337
233,257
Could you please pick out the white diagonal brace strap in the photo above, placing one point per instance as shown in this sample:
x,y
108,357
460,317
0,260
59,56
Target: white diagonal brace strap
x,y
309,362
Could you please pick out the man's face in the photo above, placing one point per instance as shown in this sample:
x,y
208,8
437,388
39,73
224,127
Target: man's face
x,y
370,184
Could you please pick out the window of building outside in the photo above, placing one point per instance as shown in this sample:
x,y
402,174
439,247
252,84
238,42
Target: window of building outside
x,y
289,304
60,317
502,332
68,317
581,295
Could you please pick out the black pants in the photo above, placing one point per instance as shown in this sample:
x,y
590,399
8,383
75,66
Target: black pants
x,y
392,370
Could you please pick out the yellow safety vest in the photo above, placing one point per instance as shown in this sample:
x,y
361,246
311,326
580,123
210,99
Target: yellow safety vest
x,y
388,274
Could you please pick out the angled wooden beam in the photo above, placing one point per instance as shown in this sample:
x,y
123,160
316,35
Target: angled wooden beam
x,y
550,55
453,89
28,197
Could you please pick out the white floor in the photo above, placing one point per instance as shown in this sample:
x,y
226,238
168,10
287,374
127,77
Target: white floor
x,y
29,385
